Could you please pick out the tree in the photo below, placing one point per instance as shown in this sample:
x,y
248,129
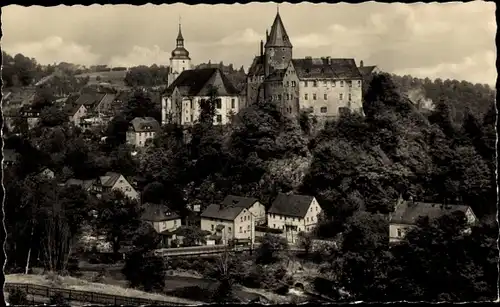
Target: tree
x,y
141,105
226,272
145,238
192,235
52,117
270,249
145,272
118,218
305,242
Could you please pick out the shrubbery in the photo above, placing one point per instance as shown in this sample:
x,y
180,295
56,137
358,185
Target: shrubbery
x,y
18,297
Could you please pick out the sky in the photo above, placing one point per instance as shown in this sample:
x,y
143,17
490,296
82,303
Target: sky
x,y
438,40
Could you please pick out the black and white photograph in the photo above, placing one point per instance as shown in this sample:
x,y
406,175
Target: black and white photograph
x,y
251,153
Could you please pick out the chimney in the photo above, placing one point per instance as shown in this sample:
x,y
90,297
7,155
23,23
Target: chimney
x,y
361,63
261,48
328,60
267,35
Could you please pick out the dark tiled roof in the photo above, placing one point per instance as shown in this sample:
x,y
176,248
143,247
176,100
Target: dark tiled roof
x,y
109,180
366,70
89,99
72,108
257,67
239,201
326,68
141,124
222,212
197,82
291,205
85,184
278,36
158,213
107,101
408,212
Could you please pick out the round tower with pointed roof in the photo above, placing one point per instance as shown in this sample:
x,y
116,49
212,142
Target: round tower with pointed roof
x,y
180,60
278,48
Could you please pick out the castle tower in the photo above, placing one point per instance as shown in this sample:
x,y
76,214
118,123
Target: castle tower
x,y
180,60
278,49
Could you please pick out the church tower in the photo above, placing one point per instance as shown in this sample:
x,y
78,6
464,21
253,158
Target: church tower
x,y
180,60
278,49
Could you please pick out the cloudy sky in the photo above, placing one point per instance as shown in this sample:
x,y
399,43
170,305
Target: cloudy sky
x,y
452,40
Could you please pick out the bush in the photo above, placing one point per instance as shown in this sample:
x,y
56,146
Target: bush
x,y
18,297
147,273
58,299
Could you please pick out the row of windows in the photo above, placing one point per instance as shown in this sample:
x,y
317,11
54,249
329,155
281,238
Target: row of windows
x,y
325,97
292,83
218,103
326,82
218,118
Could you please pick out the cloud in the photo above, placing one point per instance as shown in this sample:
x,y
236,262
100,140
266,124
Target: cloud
x,y
247,36
140,55
55,49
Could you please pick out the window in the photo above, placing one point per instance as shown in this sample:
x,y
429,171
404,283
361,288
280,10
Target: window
x,y
325,97
315,83
323,110
400,234
305,83
314,96
349,83
341,83
229,229
307,219
274,225
349,97
191,117
191,104
183,68
359,83
219,118
312,218
175,222
213,227
279,97
241,229
233,103
287,83
241,218
305,96
340,96
334,83
245,218
325,83
281,217
248,227
294,84
299,228
219,103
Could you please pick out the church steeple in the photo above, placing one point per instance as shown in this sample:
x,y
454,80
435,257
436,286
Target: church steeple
x,y
180,39
278,36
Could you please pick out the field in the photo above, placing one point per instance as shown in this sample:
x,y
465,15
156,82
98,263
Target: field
x,y
113,77
73,283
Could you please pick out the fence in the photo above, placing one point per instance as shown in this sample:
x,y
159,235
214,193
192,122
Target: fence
x,y
86,296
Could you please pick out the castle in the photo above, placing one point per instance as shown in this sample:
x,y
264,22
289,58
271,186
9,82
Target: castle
x,y
325,87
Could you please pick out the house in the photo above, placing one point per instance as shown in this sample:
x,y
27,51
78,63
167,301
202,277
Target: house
x,y
407,212
228,222
325,87
75,112
293,214
257,209
10,157
163,220
142,129
181,100
115,181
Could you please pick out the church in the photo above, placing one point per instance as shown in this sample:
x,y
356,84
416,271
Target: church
x,y
325,87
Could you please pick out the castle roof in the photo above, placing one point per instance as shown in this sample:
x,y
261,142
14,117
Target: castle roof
x,y
310,68
278,36
257,67
198,82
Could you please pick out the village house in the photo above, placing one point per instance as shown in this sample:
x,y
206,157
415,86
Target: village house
x,y
75,113
407,212
228,222
253,205
163,220
10,157
115,181
142,129
293,214
181,100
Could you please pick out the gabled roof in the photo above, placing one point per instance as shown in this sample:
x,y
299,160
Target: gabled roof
x,y
366,70
89,99
310,68
198,82
239,201
158,213
107,100
109,180
72,108
221,212
408,212
291,205
257,67
145,124
85,184
278,36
